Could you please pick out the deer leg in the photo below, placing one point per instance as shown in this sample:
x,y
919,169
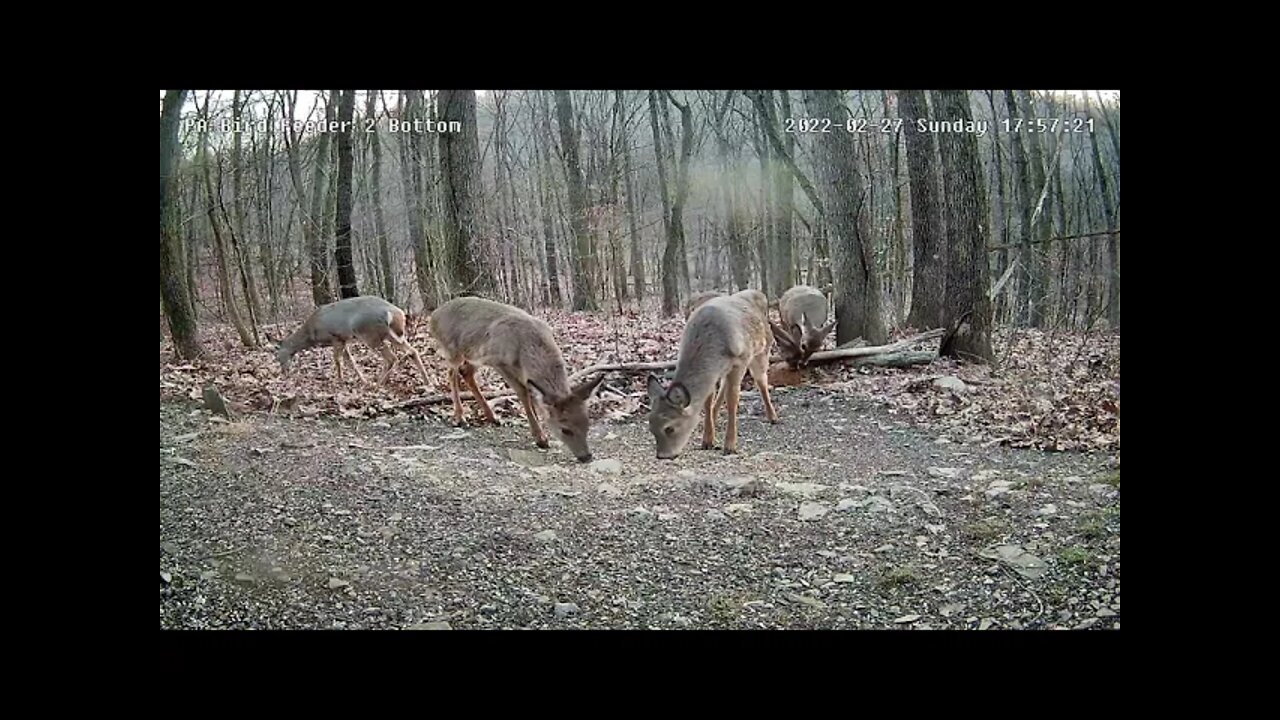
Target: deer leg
x,y
469,375
391,360
457,402
530,410
760,374
709,422
732,390
346,353
337,358
417,360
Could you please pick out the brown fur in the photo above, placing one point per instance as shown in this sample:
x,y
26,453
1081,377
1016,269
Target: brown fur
x,y
472,331
803,311
371,319
725,338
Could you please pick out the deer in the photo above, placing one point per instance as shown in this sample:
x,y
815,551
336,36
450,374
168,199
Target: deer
x,y
473,331
725,338
367,317
803,311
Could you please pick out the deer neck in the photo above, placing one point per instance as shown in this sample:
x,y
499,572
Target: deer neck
x,y
547,370
699,373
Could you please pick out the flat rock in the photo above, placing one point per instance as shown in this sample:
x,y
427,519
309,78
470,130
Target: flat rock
x,y
813,510
546,536
802,489
609,466
945,473
735,509
998,488
1024,563
434,625
950,382
564,610
527,458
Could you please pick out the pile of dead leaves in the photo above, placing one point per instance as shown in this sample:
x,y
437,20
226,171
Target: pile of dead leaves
x,y
1049,391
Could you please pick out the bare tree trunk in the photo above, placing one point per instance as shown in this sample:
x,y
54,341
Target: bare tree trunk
x,y
781,271
1001,223
411,169
1026,204
1113,241
545,175
1040,228
219,245
460,175
968,307
929,276
175,301
857,280
375,199
313,225
670,275
347,286
682,195
637,257
619,270
241,233
583,293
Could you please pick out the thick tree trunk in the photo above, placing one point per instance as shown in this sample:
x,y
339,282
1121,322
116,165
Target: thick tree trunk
x,y
313,224
411,169
460,185
176,302
583,293
856,278
682,195
347,286
928,287
783,272
670,275
968,307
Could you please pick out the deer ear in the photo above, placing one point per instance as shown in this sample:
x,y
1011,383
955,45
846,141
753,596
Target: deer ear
x,y
826,329
584,390
678,395
655,387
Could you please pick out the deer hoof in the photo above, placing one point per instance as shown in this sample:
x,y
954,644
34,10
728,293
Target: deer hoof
x,y
730,450
709,445
542,443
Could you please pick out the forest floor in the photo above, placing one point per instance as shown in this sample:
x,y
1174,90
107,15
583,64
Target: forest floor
x,y
881,499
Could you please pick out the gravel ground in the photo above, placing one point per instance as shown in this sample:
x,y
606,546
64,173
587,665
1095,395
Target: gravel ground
x,y
841,516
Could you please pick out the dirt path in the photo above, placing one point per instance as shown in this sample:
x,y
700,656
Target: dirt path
x,y
839,517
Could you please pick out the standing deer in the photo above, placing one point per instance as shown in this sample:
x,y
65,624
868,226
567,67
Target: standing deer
x,y
803,310
472,331
725,338
371,319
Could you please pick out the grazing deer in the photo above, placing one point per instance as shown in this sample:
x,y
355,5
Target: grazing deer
x,y
803,310
472,331
725,338
371,319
